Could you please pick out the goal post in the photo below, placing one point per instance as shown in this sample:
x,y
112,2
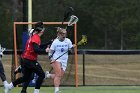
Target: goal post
x,y
16,61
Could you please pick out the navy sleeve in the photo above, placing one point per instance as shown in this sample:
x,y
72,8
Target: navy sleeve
x,y
45,45
37,48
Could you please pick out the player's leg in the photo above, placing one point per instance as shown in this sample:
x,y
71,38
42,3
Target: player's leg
x,y
20,69
25,84
57,70
49,75
41,75
20,80
26,76
2,75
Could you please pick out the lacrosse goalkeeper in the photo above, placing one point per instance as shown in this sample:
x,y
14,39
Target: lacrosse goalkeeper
x,y
29,60
2,74
59,47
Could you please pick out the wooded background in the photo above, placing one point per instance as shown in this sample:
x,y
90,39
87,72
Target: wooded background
x,y
109,24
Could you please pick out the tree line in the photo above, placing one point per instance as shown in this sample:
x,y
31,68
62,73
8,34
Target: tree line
x,y
108,24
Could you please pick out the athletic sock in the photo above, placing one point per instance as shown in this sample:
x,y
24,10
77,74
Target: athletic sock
x,y
36,90
5,82
48,75
56,89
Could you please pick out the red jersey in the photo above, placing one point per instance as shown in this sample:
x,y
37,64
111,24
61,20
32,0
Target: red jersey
x,y
29,51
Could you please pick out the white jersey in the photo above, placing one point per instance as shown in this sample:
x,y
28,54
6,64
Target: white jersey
x,y
60,47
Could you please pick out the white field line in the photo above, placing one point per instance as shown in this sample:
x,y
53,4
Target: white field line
x,y
117,69
111,77
120,78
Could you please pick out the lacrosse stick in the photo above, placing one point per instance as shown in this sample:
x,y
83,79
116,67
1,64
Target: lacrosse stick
x,y
68,15
73,19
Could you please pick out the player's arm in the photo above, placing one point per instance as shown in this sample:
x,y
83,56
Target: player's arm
x,y
71,46
45,45
50,53
51,50
37,48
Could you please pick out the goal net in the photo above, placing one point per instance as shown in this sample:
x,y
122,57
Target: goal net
x,y
20,36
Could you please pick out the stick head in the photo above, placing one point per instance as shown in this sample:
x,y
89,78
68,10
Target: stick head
x,y
73,19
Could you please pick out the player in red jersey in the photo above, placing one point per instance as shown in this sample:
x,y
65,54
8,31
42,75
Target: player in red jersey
x,y
29,58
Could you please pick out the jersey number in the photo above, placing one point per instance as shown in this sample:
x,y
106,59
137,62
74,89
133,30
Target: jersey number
x,y
62,49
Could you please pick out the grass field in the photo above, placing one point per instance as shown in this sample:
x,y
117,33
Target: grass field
x,y
99,69
91,89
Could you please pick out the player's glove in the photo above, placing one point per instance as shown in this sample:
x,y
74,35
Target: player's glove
x,y
1,53
50,54
51,59
2,50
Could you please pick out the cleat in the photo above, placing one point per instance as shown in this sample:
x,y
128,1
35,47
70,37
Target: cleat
x,y
7,88
47,75
57,91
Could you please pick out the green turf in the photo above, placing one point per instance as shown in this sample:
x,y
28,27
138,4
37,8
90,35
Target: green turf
x,y
93,89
